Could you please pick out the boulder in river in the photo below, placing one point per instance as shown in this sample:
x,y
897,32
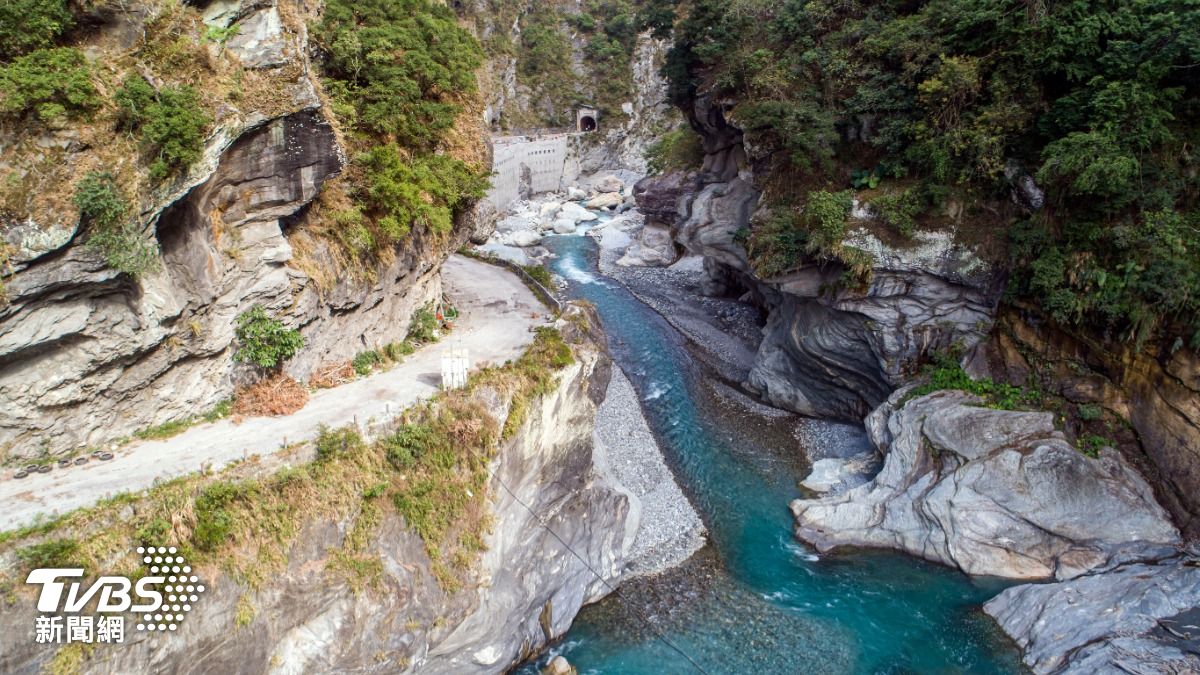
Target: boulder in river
x,y
576,212
606,200
1136,618
991,492
564,226
525,238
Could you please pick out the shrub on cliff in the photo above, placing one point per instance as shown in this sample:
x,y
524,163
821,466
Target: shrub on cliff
x,y
263,340
26,25
425,190
403,65
54,84
171,122
112,232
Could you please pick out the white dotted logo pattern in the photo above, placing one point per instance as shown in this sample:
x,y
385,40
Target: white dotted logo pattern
x,y
181,591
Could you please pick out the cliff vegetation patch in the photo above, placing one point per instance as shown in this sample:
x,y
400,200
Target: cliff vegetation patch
x,y
1095,102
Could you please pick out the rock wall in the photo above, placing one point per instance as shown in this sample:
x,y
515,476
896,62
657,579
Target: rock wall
x,y
828,350
522,592
991,492
88,355
1157,389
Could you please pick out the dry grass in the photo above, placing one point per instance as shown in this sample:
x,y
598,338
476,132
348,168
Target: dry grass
x,y
274,396
332,375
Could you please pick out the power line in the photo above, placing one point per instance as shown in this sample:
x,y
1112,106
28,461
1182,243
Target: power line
x,y
601,579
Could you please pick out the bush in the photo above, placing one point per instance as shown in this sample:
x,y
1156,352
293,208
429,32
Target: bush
x,y
106,213
1090,412
425,191
423,326
944,372
402,65
339,442
26,25
171,122
899,210
53,83
408,444
364,362
787,239
265,341
214,521
540,274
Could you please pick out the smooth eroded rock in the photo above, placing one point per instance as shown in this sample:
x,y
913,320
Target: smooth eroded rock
x,y
991,492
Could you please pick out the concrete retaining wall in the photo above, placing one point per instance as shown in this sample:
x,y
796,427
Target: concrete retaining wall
x,y
528,165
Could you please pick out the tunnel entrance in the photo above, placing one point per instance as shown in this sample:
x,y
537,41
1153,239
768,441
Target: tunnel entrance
x,y
585,119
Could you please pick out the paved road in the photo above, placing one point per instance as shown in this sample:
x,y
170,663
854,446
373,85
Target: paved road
x,y
497,315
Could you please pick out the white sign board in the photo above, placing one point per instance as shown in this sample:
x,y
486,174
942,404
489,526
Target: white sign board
x,y
454,368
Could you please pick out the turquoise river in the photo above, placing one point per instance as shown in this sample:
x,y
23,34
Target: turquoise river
x,y
755,600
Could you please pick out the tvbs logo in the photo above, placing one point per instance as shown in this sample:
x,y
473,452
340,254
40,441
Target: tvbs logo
x,y
160,600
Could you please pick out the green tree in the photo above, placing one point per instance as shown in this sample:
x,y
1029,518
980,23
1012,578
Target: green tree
x,y
112,232
263,340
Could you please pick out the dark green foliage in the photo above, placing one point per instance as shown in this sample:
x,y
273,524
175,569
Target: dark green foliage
x,y
264,341
407,444
423,326
1090,444
787,239
100,201
26,25
50,553
155,532
214,521
112,232
404,191
899,209
171,122
944,372
365,362
401,65
676,149
52,83
1100,99
1090,412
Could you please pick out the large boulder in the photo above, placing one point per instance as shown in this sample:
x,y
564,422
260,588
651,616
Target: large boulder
x,y
991,492
524,238
1136,618
653,247
605,200
564,226
608,184
575,212
260,41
